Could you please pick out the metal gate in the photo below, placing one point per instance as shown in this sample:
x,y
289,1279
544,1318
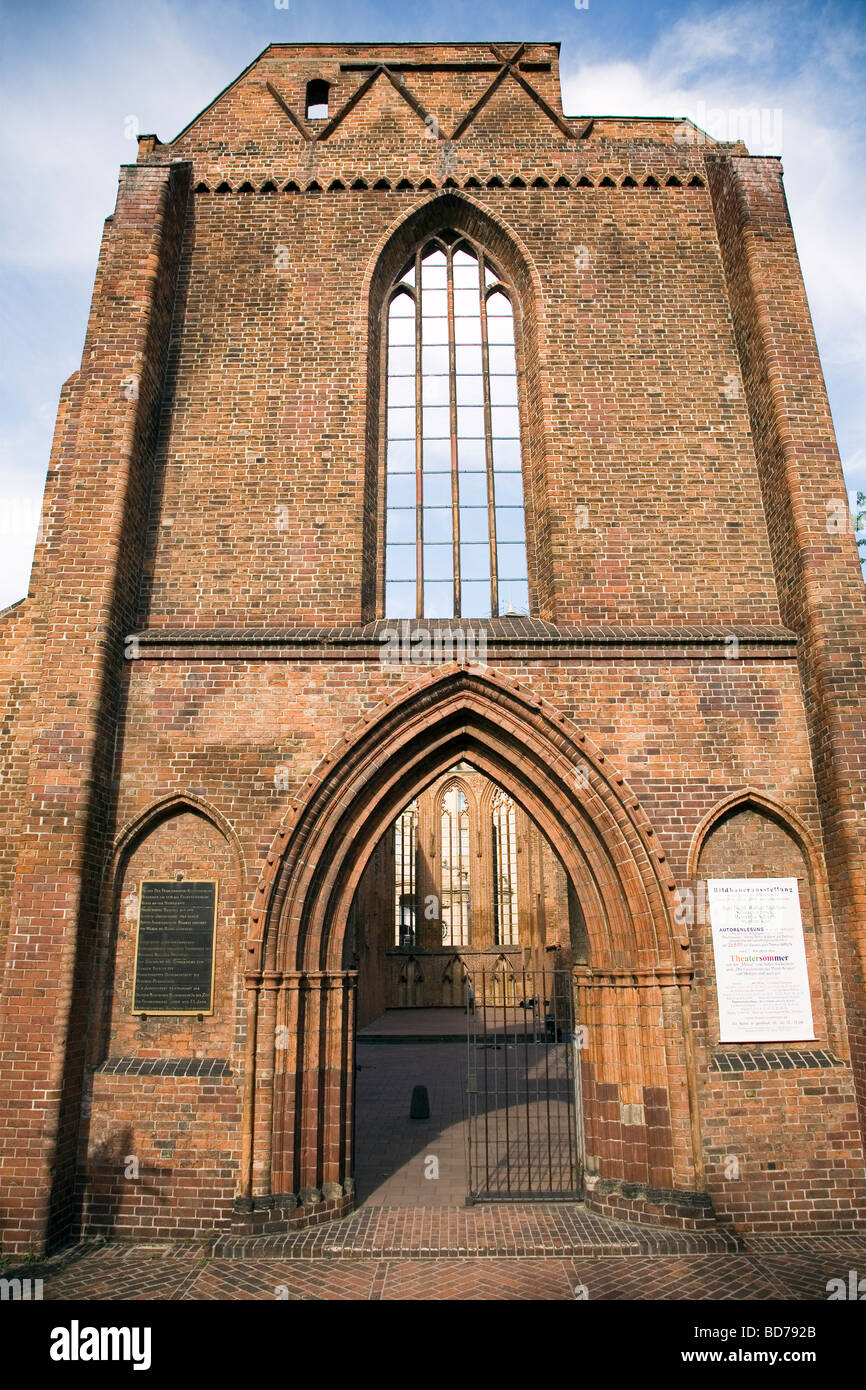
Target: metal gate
x,y
525,1130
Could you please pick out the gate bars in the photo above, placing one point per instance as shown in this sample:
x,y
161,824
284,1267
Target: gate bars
x,y
525,1130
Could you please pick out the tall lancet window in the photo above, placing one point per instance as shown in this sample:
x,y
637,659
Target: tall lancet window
x,y
454,864
455,526
504,869
405,885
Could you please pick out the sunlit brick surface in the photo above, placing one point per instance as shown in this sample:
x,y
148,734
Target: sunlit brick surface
x,y
801,1273
195,683
392,1149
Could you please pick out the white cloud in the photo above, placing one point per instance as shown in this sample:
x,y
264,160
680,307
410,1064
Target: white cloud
x,y
761,59
68,125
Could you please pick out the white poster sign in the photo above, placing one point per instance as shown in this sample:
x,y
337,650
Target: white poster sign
x,y
761,976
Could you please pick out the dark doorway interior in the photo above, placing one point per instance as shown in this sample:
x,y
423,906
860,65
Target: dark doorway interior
x,y
402,1161
462,902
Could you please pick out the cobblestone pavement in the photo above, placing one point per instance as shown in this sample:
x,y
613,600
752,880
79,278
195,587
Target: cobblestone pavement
x,y
358,1267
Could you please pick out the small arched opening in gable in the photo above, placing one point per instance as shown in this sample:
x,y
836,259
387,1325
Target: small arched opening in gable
x,y
317,99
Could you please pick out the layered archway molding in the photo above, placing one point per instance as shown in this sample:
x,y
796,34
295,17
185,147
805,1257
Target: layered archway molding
x,y
458,211
633,995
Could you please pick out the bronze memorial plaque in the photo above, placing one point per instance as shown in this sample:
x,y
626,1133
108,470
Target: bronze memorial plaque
x,y
174,957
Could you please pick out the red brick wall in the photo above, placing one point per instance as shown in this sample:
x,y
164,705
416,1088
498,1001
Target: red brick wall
x,y
783,1147
86,577
819,581
184,729
262,472
217,465
16,692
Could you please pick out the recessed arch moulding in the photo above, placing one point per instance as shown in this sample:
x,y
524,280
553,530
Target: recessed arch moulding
x,y
632,996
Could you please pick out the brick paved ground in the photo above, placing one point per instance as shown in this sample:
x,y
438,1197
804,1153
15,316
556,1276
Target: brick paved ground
x,y
401,1024
357,1264
414,1238
96,1275
391,1149
396,1024
510,1229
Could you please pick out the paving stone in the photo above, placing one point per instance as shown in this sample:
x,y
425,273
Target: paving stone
x,y
109,1274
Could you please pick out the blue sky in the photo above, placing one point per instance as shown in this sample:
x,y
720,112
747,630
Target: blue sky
x,y
72,76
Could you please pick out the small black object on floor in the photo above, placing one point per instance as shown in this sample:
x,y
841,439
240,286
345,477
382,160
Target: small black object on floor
x,y
420,1107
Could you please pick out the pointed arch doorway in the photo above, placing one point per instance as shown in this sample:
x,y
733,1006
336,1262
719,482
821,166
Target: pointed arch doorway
x,y
633,992
463,933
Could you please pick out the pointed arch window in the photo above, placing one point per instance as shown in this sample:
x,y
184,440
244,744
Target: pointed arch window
x,y
405,876
455,529
504,869
454,864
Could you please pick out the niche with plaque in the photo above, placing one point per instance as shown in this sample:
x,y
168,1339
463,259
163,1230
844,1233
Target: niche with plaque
x,y
174,955
762,978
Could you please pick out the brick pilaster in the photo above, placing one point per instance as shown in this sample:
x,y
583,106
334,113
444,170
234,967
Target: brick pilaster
x,y
818,578
84,603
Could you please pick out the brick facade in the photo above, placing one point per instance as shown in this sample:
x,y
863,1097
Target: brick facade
x,y
195,684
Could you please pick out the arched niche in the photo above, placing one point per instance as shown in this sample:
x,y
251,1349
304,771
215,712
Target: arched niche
x,y
176,837
749,835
